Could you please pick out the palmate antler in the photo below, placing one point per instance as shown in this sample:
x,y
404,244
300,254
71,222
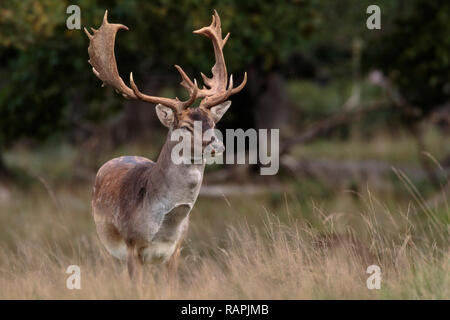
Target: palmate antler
x,y
218,90
104,66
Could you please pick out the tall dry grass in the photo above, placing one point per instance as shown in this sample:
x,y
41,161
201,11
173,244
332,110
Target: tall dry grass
x,y
236,249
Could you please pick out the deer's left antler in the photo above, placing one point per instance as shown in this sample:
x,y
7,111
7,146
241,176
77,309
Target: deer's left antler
x,y
217,90
104,66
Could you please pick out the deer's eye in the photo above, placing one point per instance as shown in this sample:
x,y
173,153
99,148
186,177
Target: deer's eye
x,y
186,128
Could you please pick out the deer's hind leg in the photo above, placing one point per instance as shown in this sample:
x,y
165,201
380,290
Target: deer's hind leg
x,y
111,239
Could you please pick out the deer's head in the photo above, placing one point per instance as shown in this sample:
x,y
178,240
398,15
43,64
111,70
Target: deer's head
x,y
173,113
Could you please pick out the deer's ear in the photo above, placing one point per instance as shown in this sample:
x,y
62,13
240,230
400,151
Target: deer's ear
x,y
165,115
218,111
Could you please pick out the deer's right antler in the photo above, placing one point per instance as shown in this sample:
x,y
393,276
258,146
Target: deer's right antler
x,y
104,66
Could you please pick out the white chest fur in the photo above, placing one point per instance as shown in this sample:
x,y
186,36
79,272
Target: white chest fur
x,y
182,186
159,252
163,244
168,211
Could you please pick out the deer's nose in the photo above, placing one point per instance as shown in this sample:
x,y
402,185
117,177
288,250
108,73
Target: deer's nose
x,y
217,146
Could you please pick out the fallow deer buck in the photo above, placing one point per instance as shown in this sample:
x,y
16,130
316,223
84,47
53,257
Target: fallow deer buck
x,y
140,207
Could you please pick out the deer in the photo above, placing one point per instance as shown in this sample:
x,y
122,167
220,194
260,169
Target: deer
x,y
141,208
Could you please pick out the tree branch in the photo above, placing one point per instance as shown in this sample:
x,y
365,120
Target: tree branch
x,y
325,125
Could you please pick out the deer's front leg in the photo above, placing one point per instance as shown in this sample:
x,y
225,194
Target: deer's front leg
x,y
172,264
134,263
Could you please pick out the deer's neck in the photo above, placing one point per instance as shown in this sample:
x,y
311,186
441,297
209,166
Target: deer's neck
x,y
175,184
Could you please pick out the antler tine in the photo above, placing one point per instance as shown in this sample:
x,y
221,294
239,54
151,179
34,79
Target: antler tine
x,y
189,85
173,104
104,66
185,82
193,96
222,96
241,86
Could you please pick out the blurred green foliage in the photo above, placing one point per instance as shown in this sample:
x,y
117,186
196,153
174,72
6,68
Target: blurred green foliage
x,y
416,53
46,84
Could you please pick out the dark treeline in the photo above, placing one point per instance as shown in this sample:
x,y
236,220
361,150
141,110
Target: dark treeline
x,y
47,87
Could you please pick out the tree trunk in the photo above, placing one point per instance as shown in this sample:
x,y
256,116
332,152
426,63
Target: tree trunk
x,y
271,105
263,104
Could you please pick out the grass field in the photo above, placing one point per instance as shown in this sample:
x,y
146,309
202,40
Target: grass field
x,y
281,245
